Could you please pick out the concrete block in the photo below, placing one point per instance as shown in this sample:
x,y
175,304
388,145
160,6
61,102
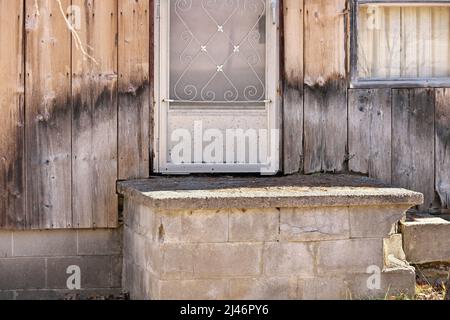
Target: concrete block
x,y
138,286
22,273
128,278
394,256
100,242
289,259
178,261
322,289
227,260
426,239
375,221
393,282
116,271
134,247
132,211
127,232
150,286
138,250
154,257
129,213
5,244
147,224
254,225
45,243
199,226
96,272
276,288
141,219
193,290
349,256
314,224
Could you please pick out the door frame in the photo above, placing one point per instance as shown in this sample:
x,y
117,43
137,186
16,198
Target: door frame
x,y
273,88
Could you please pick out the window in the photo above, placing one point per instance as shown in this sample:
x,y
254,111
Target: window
x,y
406,42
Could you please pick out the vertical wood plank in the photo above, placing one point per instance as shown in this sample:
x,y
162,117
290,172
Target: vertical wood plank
x,y
48,114
443,146
325,40
94,116
413,136
293,86
326,86
370,132
134,88
12,171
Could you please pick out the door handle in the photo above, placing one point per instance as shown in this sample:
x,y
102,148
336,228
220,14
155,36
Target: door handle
x,y
273,5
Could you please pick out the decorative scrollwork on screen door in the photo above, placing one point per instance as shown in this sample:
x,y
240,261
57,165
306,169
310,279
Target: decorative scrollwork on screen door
x,y
218,50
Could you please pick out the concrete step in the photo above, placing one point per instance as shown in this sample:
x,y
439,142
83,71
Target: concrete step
x,y
426,238
299,237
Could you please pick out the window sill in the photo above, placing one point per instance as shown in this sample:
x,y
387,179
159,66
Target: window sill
x,y
427,83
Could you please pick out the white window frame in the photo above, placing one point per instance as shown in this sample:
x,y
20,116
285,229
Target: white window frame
x,y
357,82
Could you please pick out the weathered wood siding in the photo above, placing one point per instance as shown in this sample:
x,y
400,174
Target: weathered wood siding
x,y
48,115
442,137
400,136
412,141
135,136
293,85
74,83
12,164
77,109
94,116
369,139
325,131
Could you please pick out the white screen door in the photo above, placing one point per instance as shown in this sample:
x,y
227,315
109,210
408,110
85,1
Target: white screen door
x,y
216,86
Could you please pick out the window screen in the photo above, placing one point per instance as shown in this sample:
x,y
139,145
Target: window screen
x,y
397,41
217,50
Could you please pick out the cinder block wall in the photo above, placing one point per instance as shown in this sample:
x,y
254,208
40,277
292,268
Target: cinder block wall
x,y
33,264
271,253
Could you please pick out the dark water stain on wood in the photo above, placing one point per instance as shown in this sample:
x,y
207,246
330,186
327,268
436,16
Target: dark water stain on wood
x,y
413,134
94,152
48,162
293,128
369,136
443,148
134,131
334,84
326,126
100,105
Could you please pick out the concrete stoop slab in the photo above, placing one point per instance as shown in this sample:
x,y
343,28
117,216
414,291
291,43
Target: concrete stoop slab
x,y
264,238
426,238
